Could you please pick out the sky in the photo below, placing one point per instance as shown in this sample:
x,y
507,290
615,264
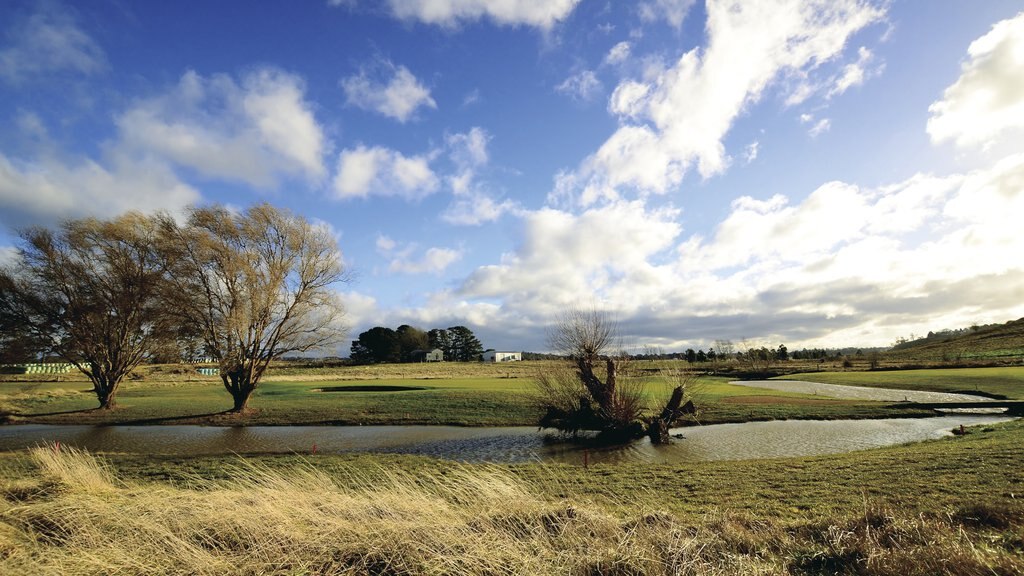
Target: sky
x,y
809,173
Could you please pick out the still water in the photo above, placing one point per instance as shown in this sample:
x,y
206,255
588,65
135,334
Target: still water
x,y
859,392
509,445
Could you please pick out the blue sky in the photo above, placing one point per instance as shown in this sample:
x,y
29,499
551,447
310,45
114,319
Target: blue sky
x,y
814,173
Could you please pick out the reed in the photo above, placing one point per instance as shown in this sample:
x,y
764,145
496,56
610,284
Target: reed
x,y
68,513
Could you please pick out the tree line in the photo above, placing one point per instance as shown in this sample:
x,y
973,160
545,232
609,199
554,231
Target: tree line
x,y
408,344
243,288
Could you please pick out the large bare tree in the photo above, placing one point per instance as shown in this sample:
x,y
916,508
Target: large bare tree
x,y
256,286
593,393
87,293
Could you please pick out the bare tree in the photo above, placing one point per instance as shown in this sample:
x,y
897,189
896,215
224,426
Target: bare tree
x,y
592,394
257,285
88,293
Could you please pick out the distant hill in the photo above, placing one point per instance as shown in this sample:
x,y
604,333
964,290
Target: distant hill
x,y
990,342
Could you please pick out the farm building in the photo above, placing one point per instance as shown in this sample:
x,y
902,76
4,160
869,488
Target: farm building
x,y
495,356
435,355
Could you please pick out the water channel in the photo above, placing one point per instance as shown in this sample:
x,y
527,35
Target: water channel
x,y
773,439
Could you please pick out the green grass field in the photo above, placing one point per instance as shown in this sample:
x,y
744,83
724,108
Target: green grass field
x,y
464,395
950,506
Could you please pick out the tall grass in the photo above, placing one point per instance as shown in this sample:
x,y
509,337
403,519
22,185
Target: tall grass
x,y
69,514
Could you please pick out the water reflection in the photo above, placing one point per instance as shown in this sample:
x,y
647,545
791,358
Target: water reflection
x,y
510,444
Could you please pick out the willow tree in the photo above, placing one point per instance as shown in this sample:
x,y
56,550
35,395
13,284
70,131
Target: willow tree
x,y
593,393
87,293
255,286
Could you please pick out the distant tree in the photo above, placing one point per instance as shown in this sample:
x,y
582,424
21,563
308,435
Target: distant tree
x,y
691,356
465,347
411,339
376,346
759,360
440,338
702,356
782,354
88,294
257,285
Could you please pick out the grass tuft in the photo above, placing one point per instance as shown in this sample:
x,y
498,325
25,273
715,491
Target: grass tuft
x,y
79,518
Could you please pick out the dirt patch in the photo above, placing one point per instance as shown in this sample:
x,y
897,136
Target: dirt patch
x,y
780,400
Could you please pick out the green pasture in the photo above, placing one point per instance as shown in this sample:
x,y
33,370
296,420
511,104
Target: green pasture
x,y
473,395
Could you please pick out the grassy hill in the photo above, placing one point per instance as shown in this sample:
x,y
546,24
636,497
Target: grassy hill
x,y
991,342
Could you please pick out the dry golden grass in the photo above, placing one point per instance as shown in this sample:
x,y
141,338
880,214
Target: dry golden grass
x,y
70,515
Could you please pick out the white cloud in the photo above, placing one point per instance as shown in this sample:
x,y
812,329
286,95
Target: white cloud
x,y
380,171
472,205
988,97
845,266
538,13
409,259
469,150
49,41
566,258
673,11
853,74
582,85
618,54
750,153
398,96
473,97
255,131
47,191
820,127
474,209
680,118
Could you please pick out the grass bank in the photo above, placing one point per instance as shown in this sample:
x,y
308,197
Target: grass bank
x,y
944,507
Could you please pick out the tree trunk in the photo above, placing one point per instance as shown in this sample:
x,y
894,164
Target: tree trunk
x,y
238,383
241,400
104,391
657,428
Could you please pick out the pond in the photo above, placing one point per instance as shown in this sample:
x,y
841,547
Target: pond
x,y
508,445
859,392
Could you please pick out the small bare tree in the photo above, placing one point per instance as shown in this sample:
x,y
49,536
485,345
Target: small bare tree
x,y
592,394
257,285
88,293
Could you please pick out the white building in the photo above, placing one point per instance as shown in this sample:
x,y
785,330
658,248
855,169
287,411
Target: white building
x,y
495,356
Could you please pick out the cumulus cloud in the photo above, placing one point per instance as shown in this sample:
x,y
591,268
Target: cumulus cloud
x,y
678,120
254,131
671,11
49,41
472,204
410,259
449,13
378,171
618,54
581,86
49,190
853,74
845,265
389,90
988,97
565,257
